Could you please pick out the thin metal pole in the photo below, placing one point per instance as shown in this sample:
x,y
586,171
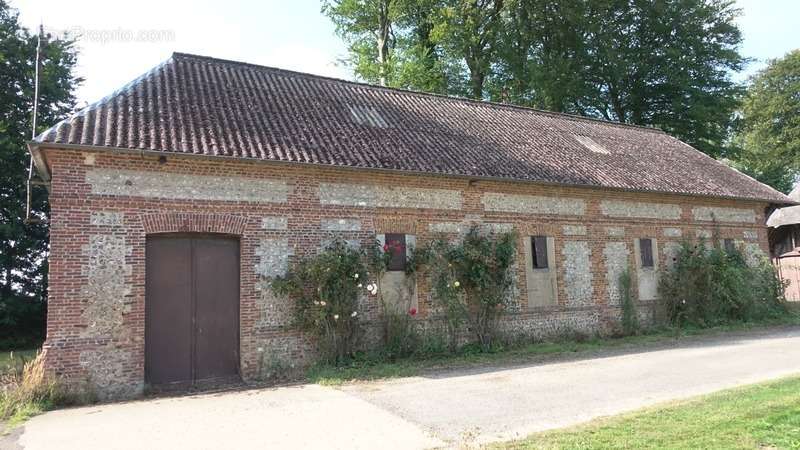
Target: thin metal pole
x,y
28,218
36,79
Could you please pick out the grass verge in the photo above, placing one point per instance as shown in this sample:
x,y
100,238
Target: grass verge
x,y
373,367
12,361
759,416
25,391
12,364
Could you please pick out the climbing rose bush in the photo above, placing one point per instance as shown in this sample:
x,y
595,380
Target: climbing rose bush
x,y
399,327
471,281
325,289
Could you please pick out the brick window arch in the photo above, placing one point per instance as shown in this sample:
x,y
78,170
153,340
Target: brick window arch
x,y
194,223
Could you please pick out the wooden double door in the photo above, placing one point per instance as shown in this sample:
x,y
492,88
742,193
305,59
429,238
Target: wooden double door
x,y
191,309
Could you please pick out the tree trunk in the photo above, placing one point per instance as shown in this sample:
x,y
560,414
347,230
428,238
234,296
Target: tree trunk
x,y
616,104
476,78
384,31
382,58
6,289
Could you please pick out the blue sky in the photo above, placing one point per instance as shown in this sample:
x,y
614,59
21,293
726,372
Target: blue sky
x,y
122,40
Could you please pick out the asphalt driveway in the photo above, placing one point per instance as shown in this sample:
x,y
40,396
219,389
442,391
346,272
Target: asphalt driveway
x,y
444,409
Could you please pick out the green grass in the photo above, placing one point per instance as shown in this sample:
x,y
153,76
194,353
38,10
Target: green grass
x,y
372,367
12,410
11,359
24,394
25,412
761,416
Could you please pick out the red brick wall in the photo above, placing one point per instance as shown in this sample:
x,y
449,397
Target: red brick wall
x,y
110,350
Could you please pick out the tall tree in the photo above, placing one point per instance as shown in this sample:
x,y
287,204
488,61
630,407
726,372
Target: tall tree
x,y
421,63
543,55
469,30
769,137
665,63
367,27
392,42
23,246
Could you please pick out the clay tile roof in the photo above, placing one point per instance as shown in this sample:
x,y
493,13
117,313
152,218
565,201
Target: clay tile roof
x,y
795,194
205,106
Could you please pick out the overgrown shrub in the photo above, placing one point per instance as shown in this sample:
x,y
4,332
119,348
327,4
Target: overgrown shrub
x,y
471,280
325,289
630,317
712,286
25,391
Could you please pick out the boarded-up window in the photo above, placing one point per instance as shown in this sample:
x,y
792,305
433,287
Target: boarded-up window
x,y
396,245
539,252
729,245
646,250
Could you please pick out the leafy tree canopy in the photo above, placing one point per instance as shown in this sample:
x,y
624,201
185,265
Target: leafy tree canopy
x,y
769,136
663,63
23,247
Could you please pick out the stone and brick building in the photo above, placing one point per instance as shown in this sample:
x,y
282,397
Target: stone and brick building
x,y
784,227
176,198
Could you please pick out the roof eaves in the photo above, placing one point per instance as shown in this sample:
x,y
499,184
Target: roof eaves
x,y
788,200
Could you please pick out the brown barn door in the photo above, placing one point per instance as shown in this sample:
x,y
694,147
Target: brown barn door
x,y
191,309
168,331
216,271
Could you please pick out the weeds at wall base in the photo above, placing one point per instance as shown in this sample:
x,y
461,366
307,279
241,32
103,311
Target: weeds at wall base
x,y
630,315
28,391
373,366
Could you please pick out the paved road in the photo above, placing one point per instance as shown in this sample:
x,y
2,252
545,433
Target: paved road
x,y
446,409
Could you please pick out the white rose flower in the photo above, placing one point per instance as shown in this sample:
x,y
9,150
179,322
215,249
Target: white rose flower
x,y
355,313
335,317
372,288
